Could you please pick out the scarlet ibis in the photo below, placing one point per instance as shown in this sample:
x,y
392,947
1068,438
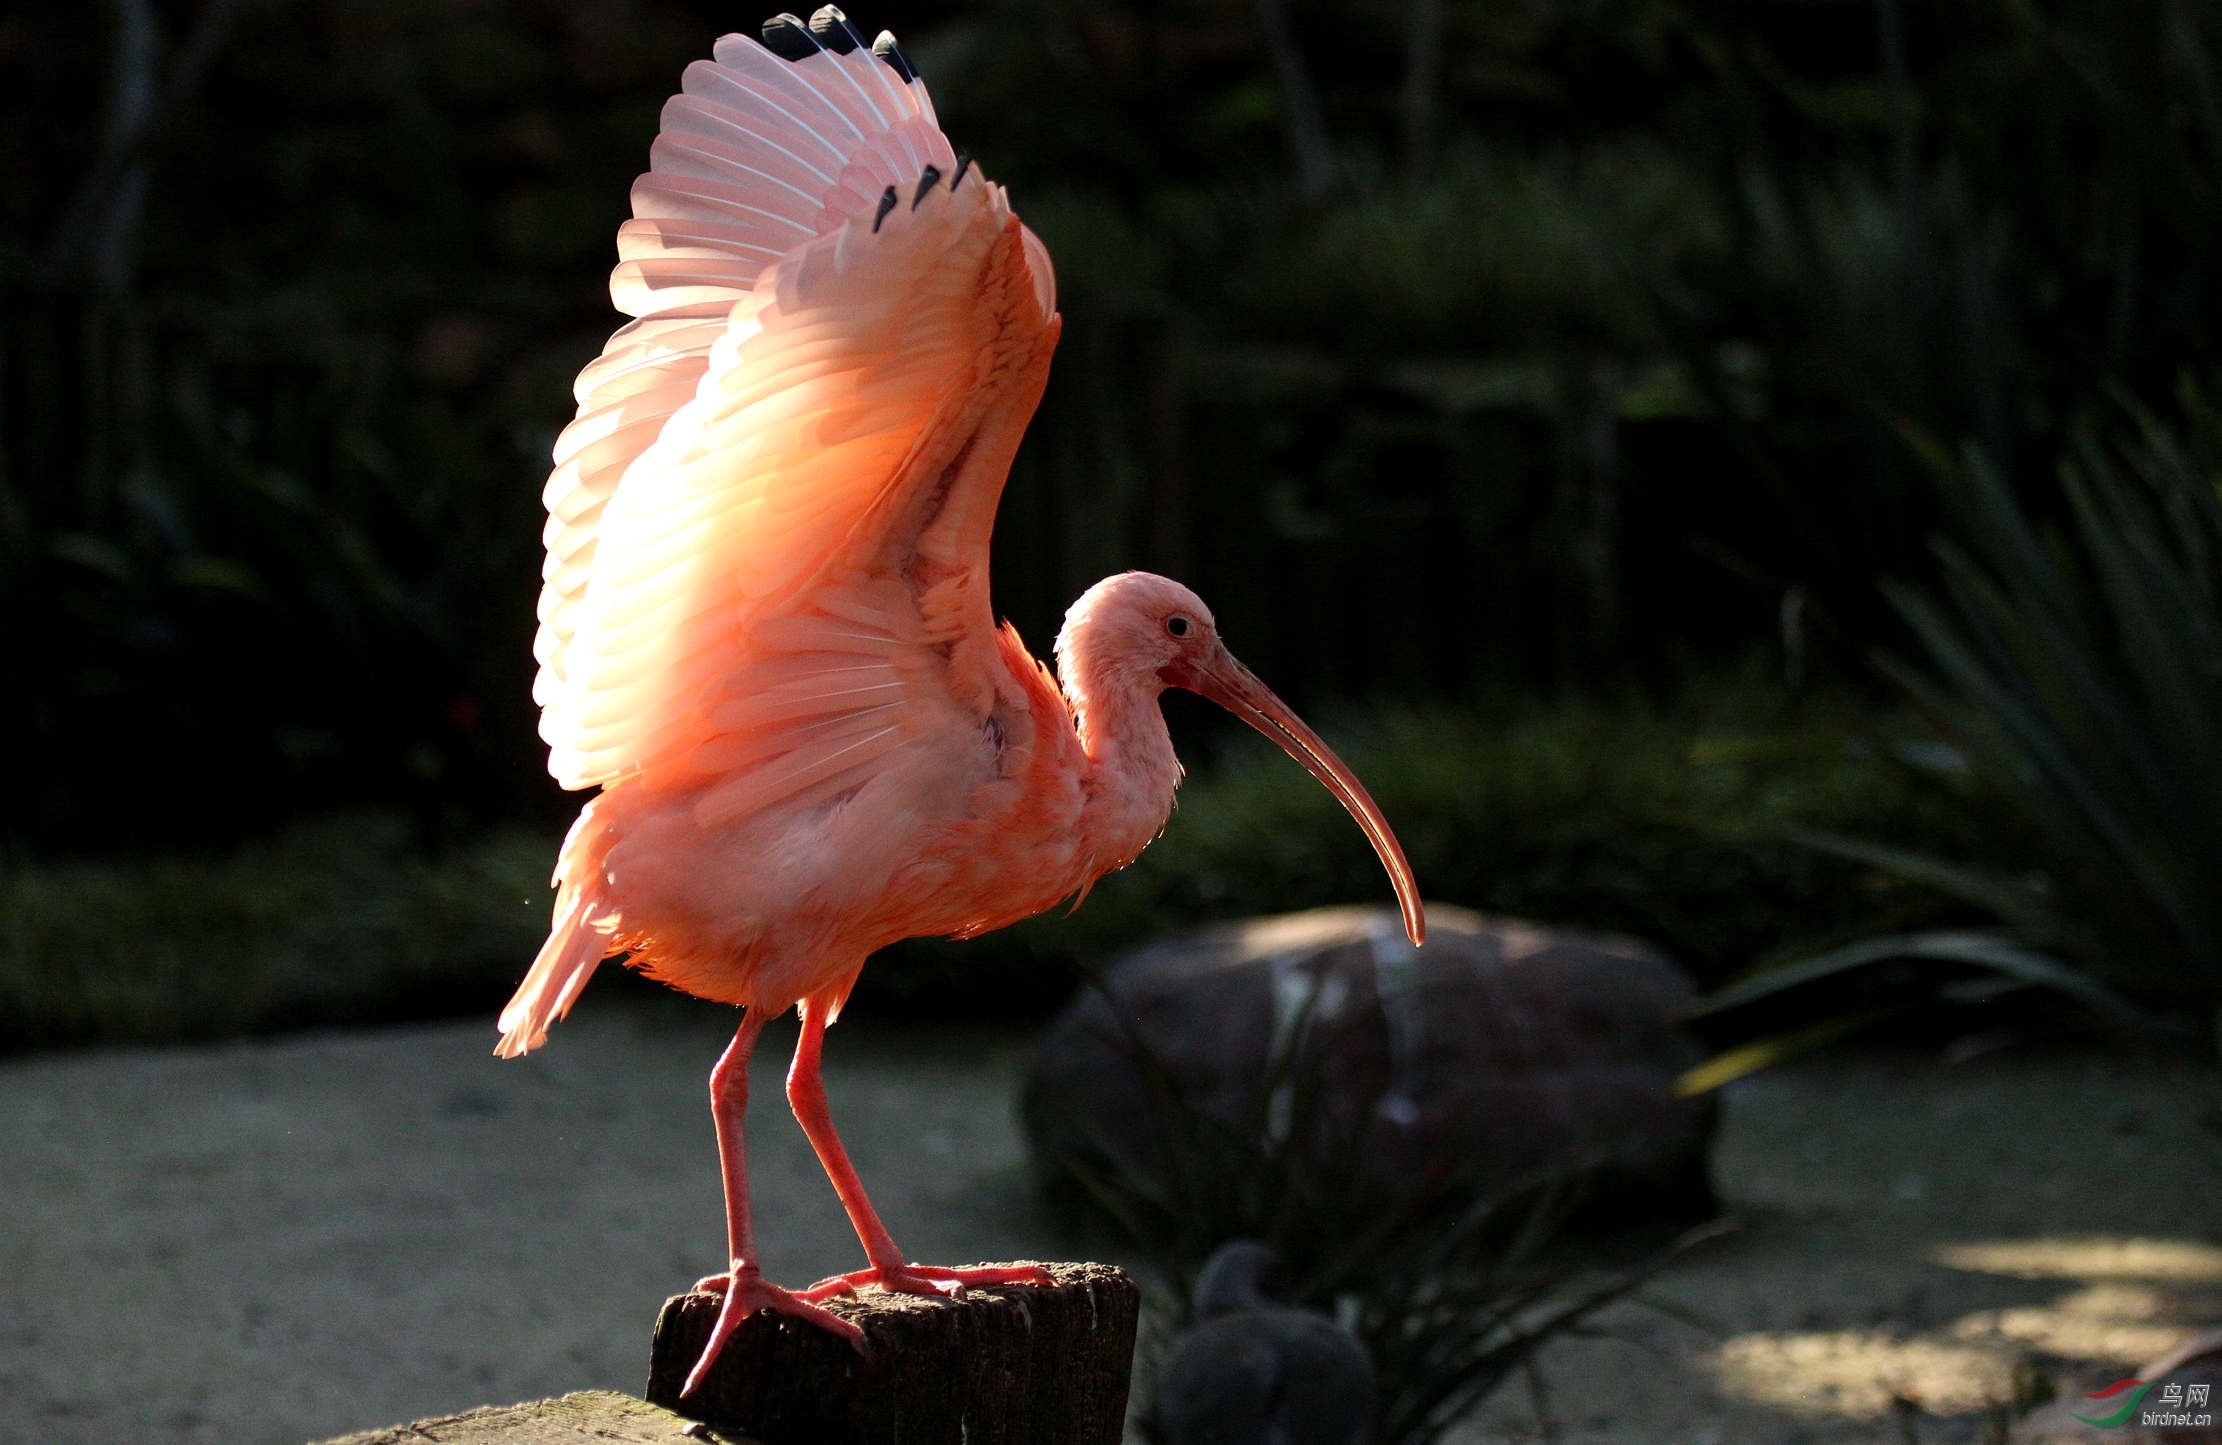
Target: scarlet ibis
x,y
765,633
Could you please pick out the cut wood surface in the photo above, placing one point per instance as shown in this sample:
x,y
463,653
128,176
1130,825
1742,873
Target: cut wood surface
x,y
1011,1365
600,1416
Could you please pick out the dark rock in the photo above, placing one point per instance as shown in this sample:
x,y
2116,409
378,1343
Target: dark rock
x,y
1500,1050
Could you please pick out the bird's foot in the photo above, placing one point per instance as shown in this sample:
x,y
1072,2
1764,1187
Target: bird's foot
x,y
718,1283
927,1279
745,1293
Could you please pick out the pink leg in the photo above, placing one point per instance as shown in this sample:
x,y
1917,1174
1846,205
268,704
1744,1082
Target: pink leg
x,y
742,1284
806,1093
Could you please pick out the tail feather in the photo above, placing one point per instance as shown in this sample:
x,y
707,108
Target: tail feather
x,y
577,942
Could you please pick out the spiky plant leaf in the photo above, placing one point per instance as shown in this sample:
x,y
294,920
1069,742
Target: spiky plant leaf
x,y
2081,671
2077,666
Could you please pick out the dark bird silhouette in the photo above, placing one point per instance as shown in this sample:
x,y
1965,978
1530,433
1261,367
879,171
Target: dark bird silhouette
x,y
1253,1371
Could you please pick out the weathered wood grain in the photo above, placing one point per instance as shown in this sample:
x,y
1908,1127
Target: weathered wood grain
x,y
590,1417
1013,1365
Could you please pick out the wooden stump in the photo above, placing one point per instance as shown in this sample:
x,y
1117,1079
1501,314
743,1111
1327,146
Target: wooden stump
x,y
1010,1365
591,1417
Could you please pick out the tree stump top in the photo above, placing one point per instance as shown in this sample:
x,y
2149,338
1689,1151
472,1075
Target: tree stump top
x,y
590,1417
1006,1365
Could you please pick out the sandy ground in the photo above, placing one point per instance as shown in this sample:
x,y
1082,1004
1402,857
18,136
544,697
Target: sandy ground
x,y
279,1241
1915,1235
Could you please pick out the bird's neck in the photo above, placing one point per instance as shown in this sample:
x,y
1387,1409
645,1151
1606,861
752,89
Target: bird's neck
x,y
1132,771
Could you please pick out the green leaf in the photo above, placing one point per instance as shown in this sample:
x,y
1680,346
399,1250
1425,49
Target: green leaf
x,y
1993,950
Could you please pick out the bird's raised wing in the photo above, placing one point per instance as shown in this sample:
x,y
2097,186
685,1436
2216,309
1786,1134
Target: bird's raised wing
x,y
762,151
772,513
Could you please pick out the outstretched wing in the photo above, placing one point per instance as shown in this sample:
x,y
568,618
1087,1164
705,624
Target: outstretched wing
x,y
759,153
767,537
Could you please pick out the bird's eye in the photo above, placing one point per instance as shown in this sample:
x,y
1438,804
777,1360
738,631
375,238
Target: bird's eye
x,y
1178,625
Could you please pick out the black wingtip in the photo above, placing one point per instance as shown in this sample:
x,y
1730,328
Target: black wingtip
x,y
887,203
964,163
786,37
886,49
926,179
830,28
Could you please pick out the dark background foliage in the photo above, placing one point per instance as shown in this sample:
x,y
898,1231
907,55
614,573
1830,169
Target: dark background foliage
x,y
1458,352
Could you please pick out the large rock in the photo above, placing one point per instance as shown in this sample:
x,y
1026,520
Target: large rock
x,y
1499,1050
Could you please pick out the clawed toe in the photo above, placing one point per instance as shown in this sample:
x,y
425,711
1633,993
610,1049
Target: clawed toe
x,y
928,1279
998,1274
955,1281
745,1293
834,1288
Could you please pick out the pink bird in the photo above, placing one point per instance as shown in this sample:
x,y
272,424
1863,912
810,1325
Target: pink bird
x,y
765,632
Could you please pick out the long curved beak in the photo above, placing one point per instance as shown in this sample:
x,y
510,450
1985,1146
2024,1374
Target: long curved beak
x,y
1237,689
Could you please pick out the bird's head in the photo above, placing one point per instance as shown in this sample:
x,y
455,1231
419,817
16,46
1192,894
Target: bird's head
x,y
1139,631
1234,1279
